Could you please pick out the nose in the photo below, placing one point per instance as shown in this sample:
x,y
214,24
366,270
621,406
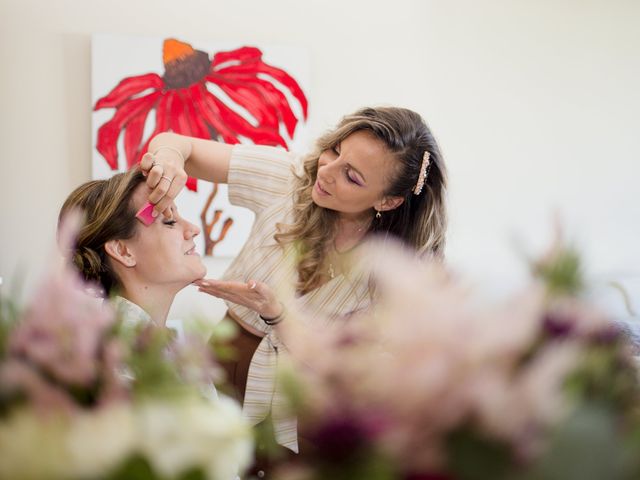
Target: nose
x,y
191,230
326,170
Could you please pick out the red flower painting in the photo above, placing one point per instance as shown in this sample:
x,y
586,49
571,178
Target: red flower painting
x,y
184,104
233,97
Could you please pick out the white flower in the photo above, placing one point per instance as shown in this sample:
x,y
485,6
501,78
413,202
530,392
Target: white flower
x,y
33,447
178,435
100,440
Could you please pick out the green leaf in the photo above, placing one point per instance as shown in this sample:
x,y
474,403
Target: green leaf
x,y
135,467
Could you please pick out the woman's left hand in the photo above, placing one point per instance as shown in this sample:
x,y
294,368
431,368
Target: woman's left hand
x,y
254,295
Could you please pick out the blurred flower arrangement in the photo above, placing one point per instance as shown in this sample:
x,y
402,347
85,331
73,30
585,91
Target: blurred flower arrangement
x,y
434,384
85,395
438,384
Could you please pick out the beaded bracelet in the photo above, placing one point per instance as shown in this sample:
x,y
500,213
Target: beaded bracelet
x,y
273,321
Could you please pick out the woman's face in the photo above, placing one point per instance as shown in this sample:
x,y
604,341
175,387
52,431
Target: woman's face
x,y
164,251
353,176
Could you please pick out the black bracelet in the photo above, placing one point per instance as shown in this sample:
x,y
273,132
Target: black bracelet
x,y
273,321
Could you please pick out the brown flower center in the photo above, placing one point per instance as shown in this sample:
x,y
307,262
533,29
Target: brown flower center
x,y
183,66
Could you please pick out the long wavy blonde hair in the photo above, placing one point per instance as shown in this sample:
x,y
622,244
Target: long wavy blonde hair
x,y
420,222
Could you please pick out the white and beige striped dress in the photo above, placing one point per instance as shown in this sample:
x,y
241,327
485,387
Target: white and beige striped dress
x,y
262,179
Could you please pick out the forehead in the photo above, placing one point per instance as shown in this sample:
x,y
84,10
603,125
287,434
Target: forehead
x,y
368,154
140,196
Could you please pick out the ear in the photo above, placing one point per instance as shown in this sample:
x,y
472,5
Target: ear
x,y
120,252
389,203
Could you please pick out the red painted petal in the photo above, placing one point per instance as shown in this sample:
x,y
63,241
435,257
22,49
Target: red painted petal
x,y
179,123
177,115
198,126
243,54
162,123
259,135
133,136
192,184
274,97
128,87
277,73
108,133
212,116
250,100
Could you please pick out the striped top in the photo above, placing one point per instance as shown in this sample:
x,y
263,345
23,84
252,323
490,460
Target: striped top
x,y
263,180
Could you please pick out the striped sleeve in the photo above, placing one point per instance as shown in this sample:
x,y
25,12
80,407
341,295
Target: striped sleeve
x,y
258,175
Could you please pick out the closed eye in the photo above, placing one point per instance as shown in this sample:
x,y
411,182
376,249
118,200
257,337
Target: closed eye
x,y
351,179
171,223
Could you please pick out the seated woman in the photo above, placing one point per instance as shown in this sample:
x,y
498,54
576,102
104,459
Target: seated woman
x,y
140,267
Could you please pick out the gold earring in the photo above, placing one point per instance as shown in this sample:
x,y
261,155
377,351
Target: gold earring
x,y
378,215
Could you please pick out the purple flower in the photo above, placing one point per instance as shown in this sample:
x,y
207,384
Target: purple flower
x,y
558,326
344,436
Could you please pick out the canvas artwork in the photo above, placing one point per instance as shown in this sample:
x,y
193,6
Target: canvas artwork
x,y
234,93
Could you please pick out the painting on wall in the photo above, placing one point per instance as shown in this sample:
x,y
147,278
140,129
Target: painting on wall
x,y
234,93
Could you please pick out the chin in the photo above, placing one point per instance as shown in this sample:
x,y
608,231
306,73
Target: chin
x,y
316,200
201,273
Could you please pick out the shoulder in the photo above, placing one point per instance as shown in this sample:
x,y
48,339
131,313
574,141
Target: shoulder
x,y
267,158
258,175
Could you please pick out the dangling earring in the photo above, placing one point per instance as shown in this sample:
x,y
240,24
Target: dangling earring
x,y
378,215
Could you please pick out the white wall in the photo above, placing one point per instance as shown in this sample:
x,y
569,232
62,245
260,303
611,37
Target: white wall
x,y
535,104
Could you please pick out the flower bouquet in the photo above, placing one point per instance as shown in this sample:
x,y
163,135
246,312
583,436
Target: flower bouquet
x,y
84,395
439,384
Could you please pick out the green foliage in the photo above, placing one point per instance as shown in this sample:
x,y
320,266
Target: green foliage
x,y
561,271
366,466
154,373
585,447
605,375
265,441
135,468
9,314
220,337
473,456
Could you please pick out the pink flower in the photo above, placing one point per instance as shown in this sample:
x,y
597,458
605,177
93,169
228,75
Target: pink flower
x,y
18,377
62,330
435,359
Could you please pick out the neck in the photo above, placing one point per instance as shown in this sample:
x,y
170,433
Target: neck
x,y
362,218
156,300
351,229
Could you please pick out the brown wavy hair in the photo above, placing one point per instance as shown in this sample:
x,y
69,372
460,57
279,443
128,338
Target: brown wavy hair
x,y
419,223
109,214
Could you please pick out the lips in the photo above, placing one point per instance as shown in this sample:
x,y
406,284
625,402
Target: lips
x,y
191,251
321,190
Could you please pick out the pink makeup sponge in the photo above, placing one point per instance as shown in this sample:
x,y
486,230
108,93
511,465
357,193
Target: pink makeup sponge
x,y
144,214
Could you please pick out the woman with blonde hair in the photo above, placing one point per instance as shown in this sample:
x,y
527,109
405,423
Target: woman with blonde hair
x,y
380,172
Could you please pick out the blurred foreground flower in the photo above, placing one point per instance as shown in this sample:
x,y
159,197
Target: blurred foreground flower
x,y
85,395
434,383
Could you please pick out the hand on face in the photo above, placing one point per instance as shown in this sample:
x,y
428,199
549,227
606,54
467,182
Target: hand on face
x,y
166,177
256,296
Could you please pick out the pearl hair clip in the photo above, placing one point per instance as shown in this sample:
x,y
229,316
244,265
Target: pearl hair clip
x,y
424,171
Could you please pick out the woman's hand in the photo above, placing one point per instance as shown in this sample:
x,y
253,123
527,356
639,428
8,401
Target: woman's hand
x,y
254,295
166,176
